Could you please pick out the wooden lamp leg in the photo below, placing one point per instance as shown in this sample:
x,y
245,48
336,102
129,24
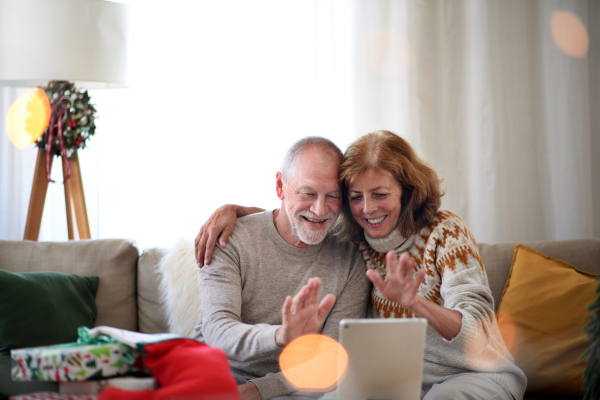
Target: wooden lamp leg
x,y
37,199
67,186
76,186
73,192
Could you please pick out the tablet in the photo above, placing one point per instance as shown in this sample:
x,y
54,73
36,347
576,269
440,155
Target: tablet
x,y
385,358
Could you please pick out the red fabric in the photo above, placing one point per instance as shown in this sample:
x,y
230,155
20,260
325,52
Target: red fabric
x,y
186,370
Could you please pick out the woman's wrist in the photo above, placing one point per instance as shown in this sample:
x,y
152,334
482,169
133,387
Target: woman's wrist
x,y
416,306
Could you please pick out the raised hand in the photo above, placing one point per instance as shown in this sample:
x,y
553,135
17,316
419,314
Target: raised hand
x,y
303,314
399,285
221,222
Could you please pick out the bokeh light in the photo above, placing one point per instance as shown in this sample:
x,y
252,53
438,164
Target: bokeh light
x,y
28,118
388,52
569,34
508,330
489,351
314,363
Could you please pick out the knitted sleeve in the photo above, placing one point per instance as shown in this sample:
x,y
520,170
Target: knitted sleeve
x,y
465,288
222,325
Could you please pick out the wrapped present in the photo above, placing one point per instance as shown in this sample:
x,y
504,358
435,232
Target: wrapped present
x,y
89,358
97,385
53,396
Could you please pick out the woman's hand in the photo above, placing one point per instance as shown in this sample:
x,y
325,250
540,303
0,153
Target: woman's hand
x,y
221,222
303,314
399,285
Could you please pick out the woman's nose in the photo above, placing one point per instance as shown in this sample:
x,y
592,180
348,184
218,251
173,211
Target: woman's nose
x,y
368,206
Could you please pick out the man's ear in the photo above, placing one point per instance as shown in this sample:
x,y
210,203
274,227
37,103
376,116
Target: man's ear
x,y
279,185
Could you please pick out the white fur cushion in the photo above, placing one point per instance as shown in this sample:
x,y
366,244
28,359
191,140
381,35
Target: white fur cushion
x,y
179,288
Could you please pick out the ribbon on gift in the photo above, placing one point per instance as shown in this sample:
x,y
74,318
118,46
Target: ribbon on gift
x,y
86,339
58,110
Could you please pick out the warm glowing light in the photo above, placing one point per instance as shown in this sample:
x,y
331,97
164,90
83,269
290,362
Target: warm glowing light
x,y
388,52
489,351
314,362
28,118
508,330
570,34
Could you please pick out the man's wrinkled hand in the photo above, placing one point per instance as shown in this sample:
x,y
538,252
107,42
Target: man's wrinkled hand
x,y
249,391
221,222
303,314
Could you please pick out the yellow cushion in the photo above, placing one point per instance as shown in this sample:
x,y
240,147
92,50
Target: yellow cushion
x,y
540,316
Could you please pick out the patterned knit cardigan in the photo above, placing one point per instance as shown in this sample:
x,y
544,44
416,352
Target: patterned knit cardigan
x,y
455,279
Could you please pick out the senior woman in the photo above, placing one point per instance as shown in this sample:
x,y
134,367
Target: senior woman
x,y
423,262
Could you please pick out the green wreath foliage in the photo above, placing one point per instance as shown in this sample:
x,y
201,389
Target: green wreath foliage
x,y
77,122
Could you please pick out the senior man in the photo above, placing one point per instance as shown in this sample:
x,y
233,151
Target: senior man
x,y
275,254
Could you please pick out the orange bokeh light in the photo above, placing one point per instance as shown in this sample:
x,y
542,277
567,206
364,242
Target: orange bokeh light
x,y
489,351
314,363
388,52
28,118
569,34
508,330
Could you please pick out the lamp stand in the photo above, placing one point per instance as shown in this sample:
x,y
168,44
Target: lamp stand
x,y
73,193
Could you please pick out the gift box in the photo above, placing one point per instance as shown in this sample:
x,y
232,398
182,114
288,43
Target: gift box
x,y
96,386
53,396
74,362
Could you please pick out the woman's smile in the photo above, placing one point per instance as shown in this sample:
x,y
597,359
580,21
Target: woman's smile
x,y
375,221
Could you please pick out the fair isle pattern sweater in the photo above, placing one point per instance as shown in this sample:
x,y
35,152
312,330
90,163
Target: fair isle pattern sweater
x,y
455,279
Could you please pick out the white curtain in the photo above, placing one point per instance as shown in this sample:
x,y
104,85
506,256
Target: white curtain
x,y
219,90
486,95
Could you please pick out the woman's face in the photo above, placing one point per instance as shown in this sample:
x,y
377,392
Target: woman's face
x,y
375,201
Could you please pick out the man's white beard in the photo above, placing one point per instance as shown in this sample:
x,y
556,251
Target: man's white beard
x,y
309,236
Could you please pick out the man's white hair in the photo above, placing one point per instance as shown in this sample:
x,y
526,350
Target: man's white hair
x,y
290,160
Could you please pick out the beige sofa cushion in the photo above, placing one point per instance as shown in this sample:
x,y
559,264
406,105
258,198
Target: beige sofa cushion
x,y
584,254
168,296
112,260
151,314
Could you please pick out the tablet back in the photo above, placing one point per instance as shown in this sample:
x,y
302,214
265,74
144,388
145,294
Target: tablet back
x,y
385,358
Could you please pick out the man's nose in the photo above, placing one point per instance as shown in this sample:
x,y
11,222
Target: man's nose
x,y
319,206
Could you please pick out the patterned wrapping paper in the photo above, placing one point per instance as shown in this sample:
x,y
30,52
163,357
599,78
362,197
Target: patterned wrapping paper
x,y
73,362
53,396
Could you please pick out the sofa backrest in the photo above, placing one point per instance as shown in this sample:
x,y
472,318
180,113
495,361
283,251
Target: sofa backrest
x,y
151,313
583,254
114,261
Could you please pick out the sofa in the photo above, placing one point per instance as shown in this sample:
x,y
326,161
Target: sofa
x,y
129,291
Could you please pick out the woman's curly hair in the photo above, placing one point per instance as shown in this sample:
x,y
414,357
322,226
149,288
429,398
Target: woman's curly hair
x,y
384,150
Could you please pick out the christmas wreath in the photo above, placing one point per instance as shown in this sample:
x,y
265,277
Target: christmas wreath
x,y
77,117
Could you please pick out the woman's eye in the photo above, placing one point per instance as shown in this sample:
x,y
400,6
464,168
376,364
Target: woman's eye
x,y
380,195
354,198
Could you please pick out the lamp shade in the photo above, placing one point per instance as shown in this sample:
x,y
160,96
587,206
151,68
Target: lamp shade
x,y
82,41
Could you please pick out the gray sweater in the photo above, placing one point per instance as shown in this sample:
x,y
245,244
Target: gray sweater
x,y
243,289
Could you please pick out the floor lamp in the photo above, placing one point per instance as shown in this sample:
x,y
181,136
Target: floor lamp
x,y
80,41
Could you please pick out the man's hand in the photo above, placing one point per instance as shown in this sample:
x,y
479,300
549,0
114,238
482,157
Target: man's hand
x,y
399,285
302,314
249,391
220,222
